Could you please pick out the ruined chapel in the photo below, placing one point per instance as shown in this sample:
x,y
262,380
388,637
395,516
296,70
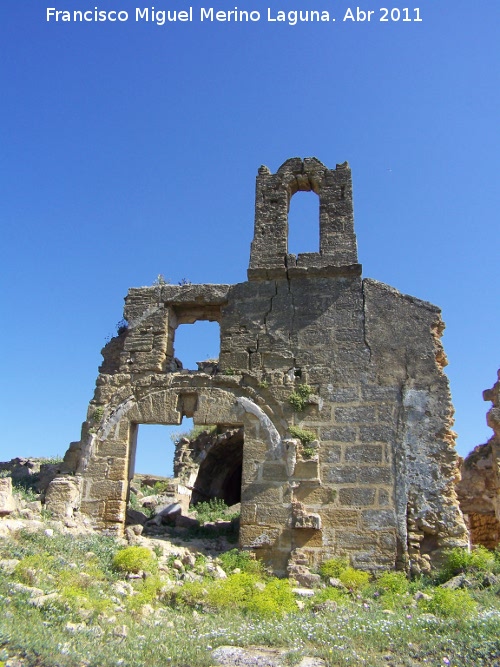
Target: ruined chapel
x,y
330,385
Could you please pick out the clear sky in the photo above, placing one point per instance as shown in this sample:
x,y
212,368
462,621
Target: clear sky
x,y
130,149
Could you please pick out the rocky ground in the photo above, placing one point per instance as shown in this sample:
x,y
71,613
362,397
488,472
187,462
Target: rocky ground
x,y
58,586
155,520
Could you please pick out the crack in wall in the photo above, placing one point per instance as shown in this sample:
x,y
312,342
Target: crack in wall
x,y
365,339
268,312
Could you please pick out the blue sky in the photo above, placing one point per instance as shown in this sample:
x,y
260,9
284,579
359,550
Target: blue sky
x,y
130,149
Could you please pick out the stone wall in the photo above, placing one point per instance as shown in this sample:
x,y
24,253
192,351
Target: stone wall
x,y
306,344
479,488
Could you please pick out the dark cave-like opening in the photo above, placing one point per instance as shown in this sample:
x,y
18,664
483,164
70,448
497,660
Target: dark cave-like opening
x,y
220,473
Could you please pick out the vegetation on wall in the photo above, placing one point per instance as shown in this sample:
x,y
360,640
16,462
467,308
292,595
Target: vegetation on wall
x,y
300,397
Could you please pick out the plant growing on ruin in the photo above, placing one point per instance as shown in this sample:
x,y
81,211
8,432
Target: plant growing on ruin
x,y
161,486
209,429
25,487
136,505
121,326
305,437
308,452
161,280
98,414
300,397
51,460
213,510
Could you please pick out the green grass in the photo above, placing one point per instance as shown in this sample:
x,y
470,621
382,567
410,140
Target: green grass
x,y
100,619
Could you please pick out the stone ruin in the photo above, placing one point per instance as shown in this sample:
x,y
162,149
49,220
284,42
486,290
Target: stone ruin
x,y
332,411
479,487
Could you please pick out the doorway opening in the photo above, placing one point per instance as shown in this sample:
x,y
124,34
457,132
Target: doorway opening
x,y
173,468
219,473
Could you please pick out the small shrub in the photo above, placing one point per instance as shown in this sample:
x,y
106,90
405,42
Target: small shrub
x,y
213,510
121,327
300,397
305,437
134,559
460,560
191,594
353,579
243,560
333,567
246,592
194,432
308,452
26,488
449,603
146,592
393,582
160,487
98,414
329,594
161,280
81,592
276,599
31,569
235,591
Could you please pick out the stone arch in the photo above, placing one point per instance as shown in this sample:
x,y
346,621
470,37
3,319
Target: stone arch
x,y
108,454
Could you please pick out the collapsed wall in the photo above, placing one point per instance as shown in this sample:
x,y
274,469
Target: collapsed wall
x,y
334,383
479,488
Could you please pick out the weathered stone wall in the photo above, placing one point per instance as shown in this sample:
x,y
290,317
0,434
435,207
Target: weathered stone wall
x,y
479,488
377,483
493,421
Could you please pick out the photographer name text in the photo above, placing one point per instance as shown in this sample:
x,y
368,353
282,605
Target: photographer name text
x,y
214,15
